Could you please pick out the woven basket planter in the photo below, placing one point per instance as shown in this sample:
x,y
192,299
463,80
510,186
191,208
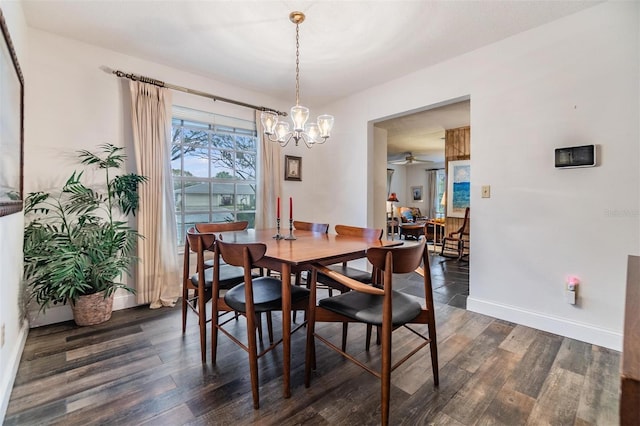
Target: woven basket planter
x,y
92,309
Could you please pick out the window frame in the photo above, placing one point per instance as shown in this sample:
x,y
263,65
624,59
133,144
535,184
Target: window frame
x,y
186,215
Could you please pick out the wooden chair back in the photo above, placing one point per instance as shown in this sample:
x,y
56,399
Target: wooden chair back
x,y
457,241
198,242
354,231
310,226
464,228
405,258
222,226
238,254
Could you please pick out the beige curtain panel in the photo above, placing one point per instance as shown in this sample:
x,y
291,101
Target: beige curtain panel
x,y
269,175
157,274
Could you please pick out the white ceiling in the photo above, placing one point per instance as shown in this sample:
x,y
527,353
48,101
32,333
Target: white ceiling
x,y
345,46
422,134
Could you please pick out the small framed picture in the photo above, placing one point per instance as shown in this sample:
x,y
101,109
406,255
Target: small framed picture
x,y
416,193
292,168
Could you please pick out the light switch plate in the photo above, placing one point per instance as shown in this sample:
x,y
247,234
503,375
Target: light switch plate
x,y
486,191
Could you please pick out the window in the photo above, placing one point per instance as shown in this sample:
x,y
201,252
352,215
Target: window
x,y
214,169
441,183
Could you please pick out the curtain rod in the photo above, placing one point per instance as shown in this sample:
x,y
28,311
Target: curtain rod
x,y
160,83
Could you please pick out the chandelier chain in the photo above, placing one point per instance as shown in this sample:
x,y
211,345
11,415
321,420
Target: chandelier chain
x,y
297,64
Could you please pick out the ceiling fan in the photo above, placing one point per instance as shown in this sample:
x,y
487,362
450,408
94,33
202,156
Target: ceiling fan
x,y
408,159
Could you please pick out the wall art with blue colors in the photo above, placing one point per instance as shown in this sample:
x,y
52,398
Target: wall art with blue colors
x,y
458,187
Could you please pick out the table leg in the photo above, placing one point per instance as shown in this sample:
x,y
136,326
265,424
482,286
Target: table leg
x,y
286,328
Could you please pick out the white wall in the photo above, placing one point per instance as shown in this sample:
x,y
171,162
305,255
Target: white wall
x,y
72,104
571,82
11,226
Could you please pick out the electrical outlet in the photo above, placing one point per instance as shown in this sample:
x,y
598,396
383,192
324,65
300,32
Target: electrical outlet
x,y
486,191
2,336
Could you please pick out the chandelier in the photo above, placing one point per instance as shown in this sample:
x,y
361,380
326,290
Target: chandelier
x,y
309,133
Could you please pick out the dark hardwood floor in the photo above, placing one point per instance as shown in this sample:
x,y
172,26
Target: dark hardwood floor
x,y
139,369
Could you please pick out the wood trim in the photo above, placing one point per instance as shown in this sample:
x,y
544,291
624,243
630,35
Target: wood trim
x,y
457,146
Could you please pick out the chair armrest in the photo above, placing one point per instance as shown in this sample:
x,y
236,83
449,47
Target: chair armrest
x,y
349,282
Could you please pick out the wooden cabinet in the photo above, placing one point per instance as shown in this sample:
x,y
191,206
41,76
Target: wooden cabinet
x,y
630,371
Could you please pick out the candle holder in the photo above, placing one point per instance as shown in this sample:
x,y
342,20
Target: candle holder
x,y
290,236
278,236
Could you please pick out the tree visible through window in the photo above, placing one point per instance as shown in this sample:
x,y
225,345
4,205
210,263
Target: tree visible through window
x,y
214,173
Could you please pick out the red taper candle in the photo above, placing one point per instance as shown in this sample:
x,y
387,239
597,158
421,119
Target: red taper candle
x,y
290,208
278,209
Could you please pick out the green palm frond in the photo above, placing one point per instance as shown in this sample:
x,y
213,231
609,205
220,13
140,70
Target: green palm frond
x,y
72,244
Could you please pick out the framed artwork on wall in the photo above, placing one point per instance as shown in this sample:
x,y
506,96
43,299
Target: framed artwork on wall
x,y
416,193
458,187
11,126
292,168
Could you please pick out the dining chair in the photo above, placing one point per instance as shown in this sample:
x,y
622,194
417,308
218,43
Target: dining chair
x,y
307,226
194,295
377,305
252,297
222,226
214,227
357,274
456,243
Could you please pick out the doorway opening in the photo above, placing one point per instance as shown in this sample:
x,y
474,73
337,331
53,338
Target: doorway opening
x,y
413,145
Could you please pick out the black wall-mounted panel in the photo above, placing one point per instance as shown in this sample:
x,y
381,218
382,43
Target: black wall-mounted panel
x,y
576,156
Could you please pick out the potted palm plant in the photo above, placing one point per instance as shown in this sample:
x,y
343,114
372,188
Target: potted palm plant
x,y
77,241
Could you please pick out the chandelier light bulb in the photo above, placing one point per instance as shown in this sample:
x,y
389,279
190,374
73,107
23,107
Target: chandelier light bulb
x,y
269,120
325,123
313,131
299,116
282,130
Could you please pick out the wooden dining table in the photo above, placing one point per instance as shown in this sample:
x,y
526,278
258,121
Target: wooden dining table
x,y
290,256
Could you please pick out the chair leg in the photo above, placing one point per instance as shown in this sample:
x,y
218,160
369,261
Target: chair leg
x,y
270,327
367,343
185,295
310,353
214,329
385,373
345,328
258,325
433,346
202,322
298,281
253,358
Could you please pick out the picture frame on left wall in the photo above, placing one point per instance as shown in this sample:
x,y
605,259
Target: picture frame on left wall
x,y
416,193
11,126
292,168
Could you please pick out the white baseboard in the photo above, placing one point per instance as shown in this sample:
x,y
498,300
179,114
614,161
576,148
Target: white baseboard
x,y
545,322
11,370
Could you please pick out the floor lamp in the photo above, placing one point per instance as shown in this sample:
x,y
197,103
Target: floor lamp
x,y
393,198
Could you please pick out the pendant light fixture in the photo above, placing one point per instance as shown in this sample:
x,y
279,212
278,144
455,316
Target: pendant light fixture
x,y
309,133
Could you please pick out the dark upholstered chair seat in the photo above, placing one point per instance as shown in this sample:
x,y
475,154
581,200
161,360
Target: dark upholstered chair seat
x,y
367,308
230,276
267,295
